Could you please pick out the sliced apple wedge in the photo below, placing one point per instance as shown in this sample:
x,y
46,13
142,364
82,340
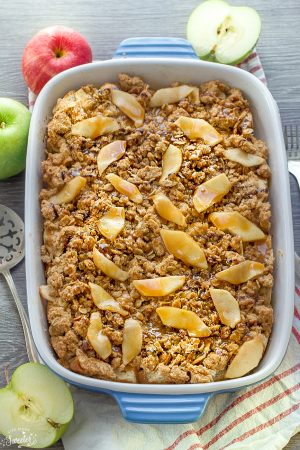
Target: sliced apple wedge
x,y
36,407
125,188
167,210
45,293
100,343
171,162
242,157
240,273
104,301
166,96
237,224
112,223
110,153
183,247
159,287
211,192
199,128
183,319
129,105
227,307
108,267
132,340
247,358
95,127
70,191
223,33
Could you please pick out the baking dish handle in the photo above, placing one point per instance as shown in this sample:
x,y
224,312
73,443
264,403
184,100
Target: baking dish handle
x,y
147,408
155,47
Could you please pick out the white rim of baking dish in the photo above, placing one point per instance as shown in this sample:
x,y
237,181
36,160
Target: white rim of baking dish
x,y
32,211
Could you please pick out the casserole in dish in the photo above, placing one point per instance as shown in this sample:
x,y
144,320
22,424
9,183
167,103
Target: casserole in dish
x,y
147,408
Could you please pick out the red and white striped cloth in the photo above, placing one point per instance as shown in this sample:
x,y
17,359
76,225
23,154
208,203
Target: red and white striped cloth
x,y
264,416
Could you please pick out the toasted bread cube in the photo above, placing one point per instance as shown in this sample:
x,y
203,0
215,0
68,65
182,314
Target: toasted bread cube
x,y
240,156
100,343
129,105
108,267
166,96
167,210
171,162
95,127
110,153
199,128
227,307
112,222
132,340
247,358
104,301
125,188
183,319
69,192
240,273
159,287
237,224
183,247
211,192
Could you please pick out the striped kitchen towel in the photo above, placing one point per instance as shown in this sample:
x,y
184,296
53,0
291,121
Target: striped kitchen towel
x,y
264,416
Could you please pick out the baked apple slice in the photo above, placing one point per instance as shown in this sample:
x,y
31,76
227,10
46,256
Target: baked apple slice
x,y
112,222
132,340
237,224
242,272
104,301
159,287
69,192
166,96
240,156
199,128
227,307
110,153
167,210
129,105
171,162
183,319
211,192
108,267
100,343
247,358
125,188
95,127
183,247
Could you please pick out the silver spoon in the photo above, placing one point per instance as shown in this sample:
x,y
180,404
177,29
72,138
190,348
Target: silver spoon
x,y
11,253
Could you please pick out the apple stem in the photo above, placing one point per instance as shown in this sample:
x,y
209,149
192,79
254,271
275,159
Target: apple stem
x,y
52,423
6,373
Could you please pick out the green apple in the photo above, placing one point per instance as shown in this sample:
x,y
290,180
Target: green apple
x,y
35,407
14,126
223,33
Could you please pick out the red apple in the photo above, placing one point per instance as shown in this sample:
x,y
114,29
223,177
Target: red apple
x,y
51,51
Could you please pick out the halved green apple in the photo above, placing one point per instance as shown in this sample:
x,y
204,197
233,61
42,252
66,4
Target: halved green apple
x,y
223,33
35,407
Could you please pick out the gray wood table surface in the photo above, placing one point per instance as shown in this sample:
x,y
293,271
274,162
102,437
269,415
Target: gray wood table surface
x,y
105,24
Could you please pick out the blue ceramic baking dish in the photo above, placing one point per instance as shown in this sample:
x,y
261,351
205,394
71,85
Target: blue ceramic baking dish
x,y
161,61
